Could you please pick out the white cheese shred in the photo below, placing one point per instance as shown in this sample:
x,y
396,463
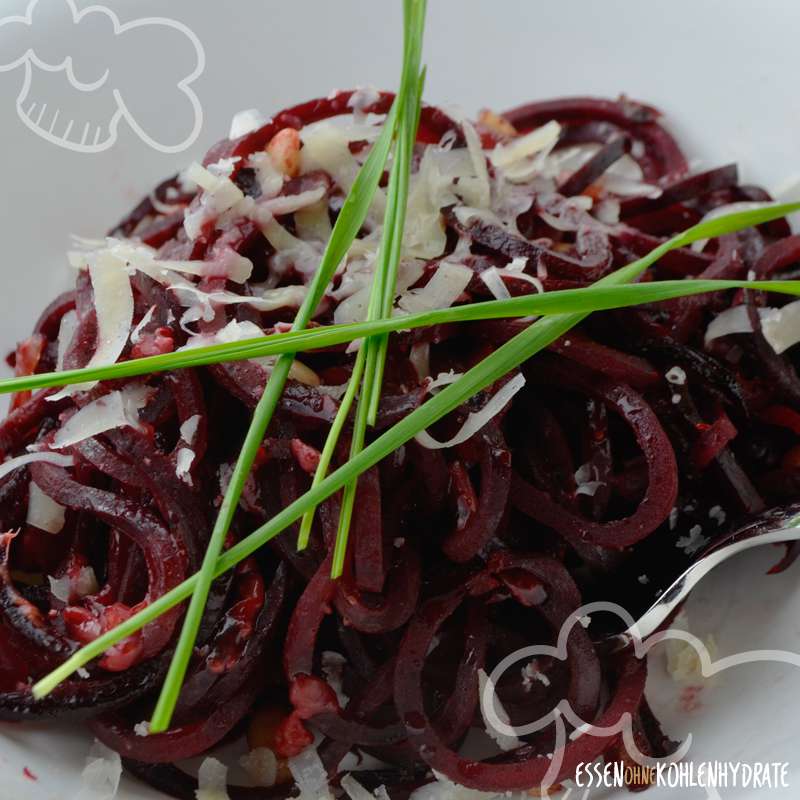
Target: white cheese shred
x,y
477,419
113,410
59,459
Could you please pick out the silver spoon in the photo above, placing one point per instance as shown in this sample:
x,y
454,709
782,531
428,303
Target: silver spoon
x,y
778,525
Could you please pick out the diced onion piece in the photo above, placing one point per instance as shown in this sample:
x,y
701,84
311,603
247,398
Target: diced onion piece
x,y
503,740
441,291
246,121
188,429
477,419
212,779
59,459
101,775
292,252
782,330
134,256
729,208
304,374
234,331
261,766
114,410
220,195
625,187
60,588
64,588
43,512
224,191
184,459
310,775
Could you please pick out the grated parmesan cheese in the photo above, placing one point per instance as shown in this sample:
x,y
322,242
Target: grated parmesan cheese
x,y
477,419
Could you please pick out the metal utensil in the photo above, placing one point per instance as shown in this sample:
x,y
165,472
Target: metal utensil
x,y
778,525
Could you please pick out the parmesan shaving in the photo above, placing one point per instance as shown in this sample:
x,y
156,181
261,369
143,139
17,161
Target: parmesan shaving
x,y
476,191
29,458
494,283
441,291
113,305
66,332
220,195
136,334
114,410
780,326
477,419
514,158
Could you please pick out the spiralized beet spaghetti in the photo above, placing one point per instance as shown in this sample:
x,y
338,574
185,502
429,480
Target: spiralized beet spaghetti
x,y
607,462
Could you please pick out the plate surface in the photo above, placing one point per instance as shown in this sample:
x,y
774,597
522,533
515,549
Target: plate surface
x,y
722,71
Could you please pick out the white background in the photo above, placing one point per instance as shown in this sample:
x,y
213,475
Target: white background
x,y
726,75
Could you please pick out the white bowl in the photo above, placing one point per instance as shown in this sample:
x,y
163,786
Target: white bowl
x,y
723,73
